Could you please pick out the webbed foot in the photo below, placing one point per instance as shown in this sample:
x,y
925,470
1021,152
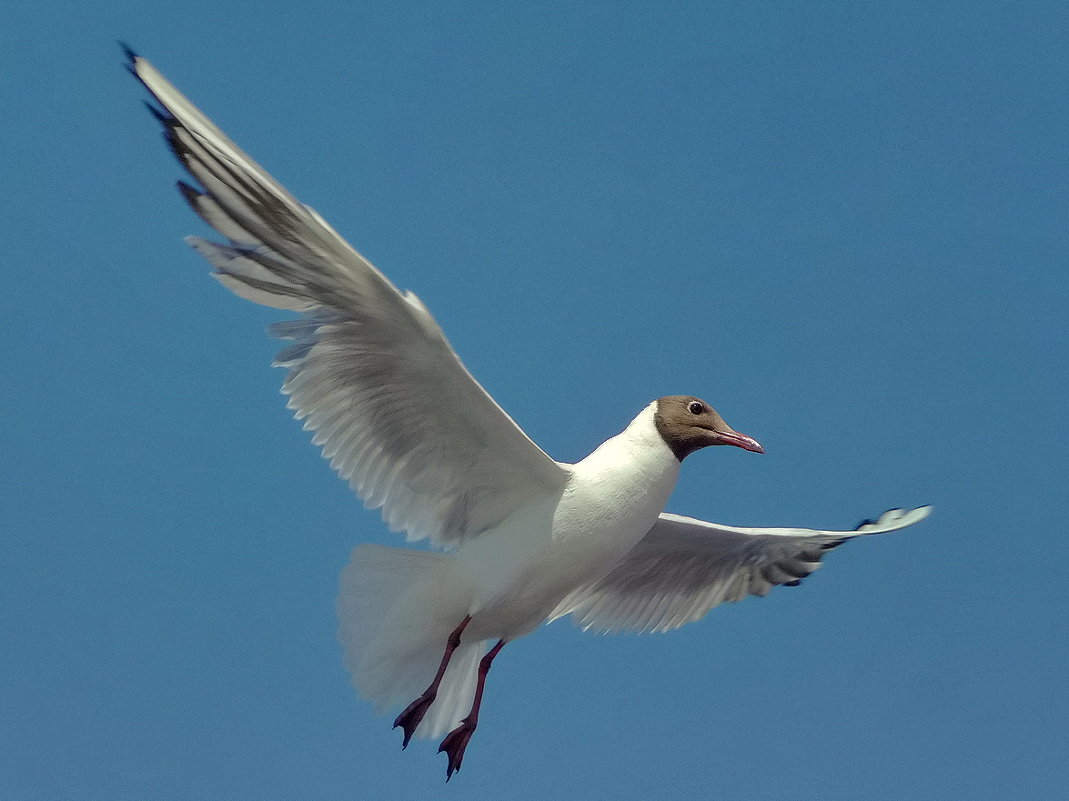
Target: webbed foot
x,y
454,744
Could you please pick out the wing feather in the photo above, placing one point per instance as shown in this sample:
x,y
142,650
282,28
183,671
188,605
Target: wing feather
x,y
370,372
684,567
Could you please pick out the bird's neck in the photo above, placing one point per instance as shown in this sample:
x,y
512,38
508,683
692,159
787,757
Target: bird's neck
x,y
635,466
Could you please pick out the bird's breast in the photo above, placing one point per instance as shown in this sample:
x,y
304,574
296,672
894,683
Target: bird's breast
x,y
532,564
610,505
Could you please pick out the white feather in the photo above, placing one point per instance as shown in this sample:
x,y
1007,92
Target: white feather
x,y
370,358
684,567
400,418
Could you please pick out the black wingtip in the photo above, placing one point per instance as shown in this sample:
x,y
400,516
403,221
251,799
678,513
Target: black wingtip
x,y
129,51
160,115
131,59
191,194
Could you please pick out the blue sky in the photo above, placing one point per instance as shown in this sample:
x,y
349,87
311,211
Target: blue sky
x,y
843,224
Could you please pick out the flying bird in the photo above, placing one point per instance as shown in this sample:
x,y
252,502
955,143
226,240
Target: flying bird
x,y
523,539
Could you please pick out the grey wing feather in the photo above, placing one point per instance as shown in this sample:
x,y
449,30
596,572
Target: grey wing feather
x,y
393,408
684,567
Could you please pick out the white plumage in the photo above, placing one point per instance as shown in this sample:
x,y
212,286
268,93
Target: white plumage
x,y
684,567
400,418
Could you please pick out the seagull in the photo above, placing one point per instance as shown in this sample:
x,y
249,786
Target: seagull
x,y
522,539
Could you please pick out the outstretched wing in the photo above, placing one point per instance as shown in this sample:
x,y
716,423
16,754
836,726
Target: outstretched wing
x,y
684,567
370,371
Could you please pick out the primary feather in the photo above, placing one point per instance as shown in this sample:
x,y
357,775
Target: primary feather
x,y
394,410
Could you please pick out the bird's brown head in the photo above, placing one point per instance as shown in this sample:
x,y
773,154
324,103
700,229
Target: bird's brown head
x,y
687,423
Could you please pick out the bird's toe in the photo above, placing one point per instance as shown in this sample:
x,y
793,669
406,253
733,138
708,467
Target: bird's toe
x,y
454,744
410,719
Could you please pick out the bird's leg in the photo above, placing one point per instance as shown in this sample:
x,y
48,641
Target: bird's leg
x,y
410,719
457,740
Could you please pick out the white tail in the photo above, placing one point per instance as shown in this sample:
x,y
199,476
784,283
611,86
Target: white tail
x,y
394,619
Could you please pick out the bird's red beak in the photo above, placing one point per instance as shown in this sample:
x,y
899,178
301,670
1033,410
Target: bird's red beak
x,y
730,437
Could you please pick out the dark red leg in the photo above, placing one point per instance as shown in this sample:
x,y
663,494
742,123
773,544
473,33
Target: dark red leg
x,y
413,714
457,740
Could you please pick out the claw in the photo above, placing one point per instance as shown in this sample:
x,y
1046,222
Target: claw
x,y
454,744
410,719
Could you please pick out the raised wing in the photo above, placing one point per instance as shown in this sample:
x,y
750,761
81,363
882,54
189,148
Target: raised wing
x,y
393,408
684,567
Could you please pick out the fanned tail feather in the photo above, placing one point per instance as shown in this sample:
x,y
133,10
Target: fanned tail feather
x,y
394,619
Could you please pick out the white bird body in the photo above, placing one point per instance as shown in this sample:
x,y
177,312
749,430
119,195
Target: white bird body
x,y
523,569
402,420
509,579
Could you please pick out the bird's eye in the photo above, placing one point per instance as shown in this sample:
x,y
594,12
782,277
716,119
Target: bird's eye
x,y
695,408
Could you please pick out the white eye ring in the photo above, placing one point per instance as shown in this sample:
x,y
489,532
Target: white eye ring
x,y
695,408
